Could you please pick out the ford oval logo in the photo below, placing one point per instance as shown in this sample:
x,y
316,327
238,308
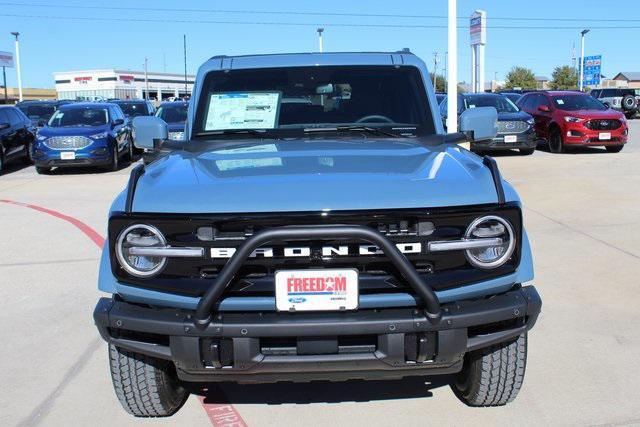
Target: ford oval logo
x,y
604,123
297,300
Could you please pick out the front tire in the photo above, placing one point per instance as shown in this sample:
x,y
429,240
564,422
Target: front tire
x,y
114,164
145,386
527,151
42,170
555,141
614,148
28,159
493,376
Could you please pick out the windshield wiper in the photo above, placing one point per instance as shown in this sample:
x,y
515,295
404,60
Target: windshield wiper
x,y
354,128
252,132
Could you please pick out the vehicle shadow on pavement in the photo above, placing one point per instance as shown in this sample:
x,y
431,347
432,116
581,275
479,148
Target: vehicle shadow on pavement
x,y
11,167
321,391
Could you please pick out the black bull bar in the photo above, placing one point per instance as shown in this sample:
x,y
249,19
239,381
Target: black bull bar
x,y
203,314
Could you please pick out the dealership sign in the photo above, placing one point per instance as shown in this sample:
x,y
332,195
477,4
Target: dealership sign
x,y
478,27
6,59
591,70
83,80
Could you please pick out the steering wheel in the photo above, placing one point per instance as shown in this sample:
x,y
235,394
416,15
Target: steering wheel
x,y
376,118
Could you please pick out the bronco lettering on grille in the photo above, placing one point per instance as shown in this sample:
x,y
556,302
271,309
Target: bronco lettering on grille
x,y
327,251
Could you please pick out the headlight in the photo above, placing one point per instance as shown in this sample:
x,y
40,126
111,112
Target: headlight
x,y
572,119
491,227
140,235
177,136
41,137
100,135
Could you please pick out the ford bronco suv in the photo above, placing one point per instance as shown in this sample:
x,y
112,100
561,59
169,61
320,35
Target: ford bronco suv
x,y
316,223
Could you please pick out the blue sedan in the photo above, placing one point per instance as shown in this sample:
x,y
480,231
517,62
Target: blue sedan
x,y
83,134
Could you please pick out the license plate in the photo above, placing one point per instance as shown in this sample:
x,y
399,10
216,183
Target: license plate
x,y
604,136
317,290
510,138
68,155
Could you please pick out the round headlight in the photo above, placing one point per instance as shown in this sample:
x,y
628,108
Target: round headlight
x,y
140,236
491,227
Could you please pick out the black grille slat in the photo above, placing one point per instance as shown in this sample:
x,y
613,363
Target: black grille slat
x,y
604,124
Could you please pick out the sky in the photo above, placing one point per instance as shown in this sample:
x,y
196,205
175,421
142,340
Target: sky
x,y
50,40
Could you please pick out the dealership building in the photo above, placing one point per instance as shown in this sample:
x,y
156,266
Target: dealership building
x,y
122,84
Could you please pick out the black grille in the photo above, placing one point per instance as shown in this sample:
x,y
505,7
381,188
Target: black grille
x,y
515,126
189,276
604,124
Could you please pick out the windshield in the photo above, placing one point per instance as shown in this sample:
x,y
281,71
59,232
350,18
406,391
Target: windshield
x,y
173,113
79,117
500,102
281,99
43,112
577,102
134,109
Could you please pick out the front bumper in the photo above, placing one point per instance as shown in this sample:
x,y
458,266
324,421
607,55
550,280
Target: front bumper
x,y
96,154
364,344
578,135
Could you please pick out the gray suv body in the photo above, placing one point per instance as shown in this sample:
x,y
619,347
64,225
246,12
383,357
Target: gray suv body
x,y
622,99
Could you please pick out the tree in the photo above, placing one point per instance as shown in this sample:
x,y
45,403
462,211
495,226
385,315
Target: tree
x,y
564,77
441,84
520,77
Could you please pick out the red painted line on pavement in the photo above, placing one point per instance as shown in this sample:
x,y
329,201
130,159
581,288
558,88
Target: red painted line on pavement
x,y
220,414
86,229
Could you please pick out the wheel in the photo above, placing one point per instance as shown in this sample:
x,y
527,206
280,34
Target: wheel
x,y
527,151
629,103
28,159
130,152
492,376
630,114
614,148
1,159
145,386
113,165
555,141
42,170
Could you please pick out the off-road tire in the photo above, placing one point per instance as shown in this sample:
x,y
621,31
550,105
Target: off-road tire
x,y
629,103
145,386
527,151
492,376
43,170
630,114
614,148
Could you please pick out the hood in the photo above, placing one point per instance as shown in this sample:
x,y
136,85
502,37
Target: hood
x,y
314,175
519,115
73,130
595,114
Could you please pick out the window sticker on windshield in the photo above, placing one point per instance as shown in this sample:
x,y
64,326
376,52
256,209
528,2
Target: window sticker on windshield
x,y
242,110
560,101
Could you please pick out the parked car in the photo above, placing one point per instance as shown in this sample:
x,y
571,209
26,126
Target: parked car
x,y
136,107
573,119
440,96
515,127
17,135
83,134
175,115
345,237
513,97
621,99
39,112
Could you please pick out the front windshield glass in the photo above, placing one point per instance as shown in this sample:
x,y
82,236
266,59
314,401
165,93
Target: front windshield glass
x,y
134,109
173,113
577,102
501,103
279,100
80,117
43,112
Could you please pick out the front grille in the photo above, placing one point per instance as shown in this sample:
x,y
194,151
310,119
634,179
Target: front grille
x,y
605,124
192,276
516,126
67,142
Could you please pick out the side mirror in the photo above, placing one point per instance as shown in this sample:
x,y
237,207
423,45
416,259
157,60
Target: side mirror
x,y
147,130
4,126
544,108
117,122
480,123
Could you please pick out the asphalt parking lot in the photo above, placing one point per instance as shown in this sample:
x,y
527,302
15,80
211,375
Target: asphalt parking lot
x,y
582,213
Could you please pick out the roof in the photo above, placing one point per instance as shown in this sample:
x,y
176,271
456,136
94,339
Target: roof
x,y
127,101
628,75
563,92
74,105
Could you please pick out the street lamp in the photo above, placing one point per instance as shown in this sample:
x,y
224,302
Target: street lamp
x,y
16,34
582,33
320,47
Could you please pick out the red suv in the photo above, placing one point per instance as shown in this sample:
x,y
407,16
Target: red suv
x,y
566,119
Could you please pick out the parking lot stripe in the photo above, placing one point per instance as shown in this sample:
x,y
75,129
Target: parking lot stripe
x,y
220,414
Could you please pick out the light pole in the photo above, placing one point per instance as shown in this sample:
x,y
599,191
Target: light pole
x,y
582,33
320,46
146,79
435,70
184,39
452,75
16,34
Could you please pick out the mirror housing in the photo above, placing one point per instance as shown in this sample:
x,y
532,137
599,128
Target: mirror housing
x,y
147,130
117,122
480,123
544,108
